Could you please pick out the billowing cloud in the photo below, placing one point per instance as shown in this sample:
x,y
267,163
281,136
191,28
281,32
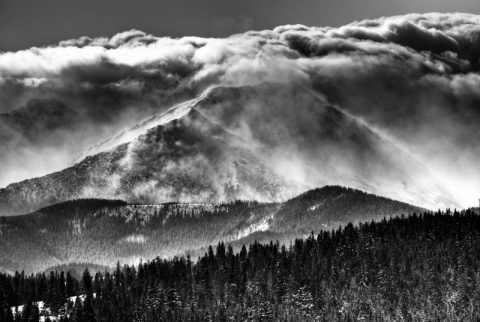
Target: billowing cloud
x,y
414,78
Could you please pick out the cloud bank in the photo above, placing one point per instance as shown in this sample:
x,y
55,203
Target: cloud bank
x,y
413,78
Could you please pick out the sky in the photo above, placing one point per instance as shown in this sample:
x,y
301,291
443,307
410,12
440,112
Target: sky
x,y
27,23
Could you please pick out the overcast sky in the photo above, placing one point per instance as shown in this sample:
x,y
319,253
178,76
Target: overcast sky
x,y
27,23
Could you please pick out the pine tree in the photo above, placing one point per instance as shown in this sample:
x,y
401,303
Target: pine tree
x,y
87,283
70,285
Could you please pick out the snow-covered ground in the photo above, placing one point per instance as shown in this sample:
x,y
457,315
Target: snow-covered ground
x,y
45,311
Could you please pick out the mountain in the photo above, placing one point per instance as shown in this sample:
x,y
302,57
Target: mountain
x,y
332,206
40,123
37,121
104,231
189,159
304,138
266,142
31,136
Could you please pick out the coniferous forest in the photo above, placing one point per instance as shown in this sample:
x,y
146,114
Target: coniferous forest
x,y
92,231
416,268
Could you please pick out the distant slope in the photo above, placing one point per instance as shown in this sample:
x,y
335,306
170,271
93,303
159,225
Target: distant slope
x,y
331,206
38,120
40,123
104,231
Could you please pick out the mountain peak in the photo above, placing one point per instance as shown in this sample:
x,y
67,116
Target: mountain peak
x,y
266,142
41,111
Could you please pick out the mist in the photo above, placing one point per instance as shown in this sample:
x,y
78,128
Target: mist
x,y
413,79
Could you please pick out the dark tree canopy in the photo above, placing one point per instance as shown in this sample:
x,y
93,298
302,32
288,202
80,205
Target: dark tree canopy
x,y
415,268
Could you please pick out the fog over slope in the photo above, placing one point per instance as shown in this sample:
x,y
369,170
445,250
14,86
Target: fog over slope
x,y
266,142
413,79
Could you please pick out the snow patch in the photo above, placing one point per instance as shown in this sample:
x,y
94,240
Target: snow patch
x,y
316,206
262,225
43,310
136,239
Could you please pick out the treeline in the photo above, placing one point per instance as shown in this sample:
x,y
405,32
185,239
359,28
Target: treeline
x,y
417,268
83,206
76,270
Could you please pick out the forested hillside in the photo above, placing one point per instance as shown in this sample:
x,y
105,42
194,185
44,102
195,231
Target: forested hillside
x,y
331,206
416,268
103,232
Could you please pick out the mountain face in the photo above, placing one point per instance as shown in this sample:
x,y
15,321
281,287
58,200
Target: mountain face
x,y
189,158
266,142
39,123
35,138
104,231
37,119
306,139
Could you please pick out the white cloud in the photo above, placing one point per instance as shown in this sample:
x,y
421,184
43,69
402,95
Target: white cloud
x,y
384,71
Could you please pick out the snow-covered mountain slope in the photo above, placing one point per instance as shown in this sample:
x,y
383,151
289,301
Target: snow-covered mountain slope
x,y
131,134
266,142
187,158
307,140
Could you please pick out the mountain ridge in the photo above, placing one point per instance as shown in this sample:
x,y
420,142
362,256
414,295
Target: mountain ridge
x,y
105,231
